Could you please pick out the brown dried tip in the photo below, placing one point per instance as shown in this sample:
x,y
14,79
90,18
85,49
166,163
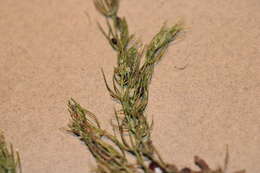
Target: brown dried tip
x,y
186,170
201,164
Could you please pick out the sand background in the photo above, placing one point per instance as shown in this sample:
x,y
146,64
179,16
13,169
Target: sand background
x,y
51,50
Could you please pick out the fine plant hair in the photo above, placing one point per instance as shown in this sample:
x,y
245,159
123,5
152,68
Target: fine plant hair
x,y
130,89
9,159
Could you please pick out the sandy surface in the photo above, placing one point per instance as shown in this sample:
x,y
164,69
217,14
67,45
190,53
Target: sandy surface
x,y
52,50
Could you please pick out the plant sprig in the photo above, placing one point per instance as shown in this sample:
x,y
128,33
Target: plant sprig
x,y
9,159
130,89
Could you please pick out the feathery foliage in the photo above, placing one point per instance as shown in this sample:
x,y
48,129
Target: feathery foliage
x,y
130,89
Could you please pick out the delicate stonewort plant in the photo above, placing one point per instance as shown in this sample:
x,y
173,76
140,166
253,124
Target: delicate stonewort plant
x,y
129,149
131,79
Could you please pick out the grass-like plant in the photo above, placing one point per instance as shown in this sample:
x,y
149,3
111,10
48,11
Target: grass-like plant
x,y
130,89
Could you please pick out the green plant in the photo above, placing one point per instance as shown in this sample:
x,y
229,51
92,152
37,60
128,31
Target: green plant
x,y
9,160
130,89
